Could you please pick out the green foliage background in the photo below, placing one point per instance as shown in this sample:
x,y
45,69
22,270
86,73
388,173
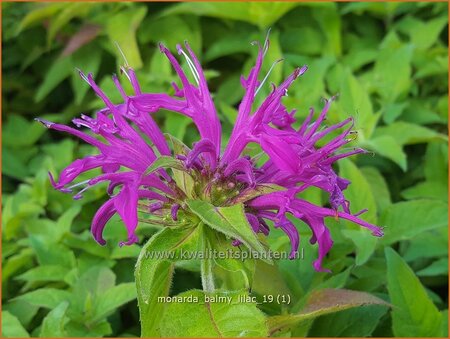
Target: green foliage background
x,y
387,61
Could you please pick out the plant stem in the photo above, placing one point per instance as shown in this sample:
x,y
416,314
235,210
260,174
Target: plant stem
x,y
206,265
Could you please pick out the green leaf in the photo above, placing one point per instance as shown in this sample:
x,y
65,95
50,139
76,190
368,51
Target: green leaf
x,y
445,323
374,8
413,314
160,70
87,60
312,82
422,112
273,53
176,124
230,221
330,22
358,57
94,281
49,253
58,71
370,276
64,222
427,190
12,166
323,302
378,186
360,196
388,147
53,324
125,252
99,330
352,323
160,29
335,281
11,327
45,297
16,124
40,186
430,244
268,279
206,318
439,267
392,111
112,299
60,152
22,310
236,42
206,264
183,179
431,65
238,272
436,162
392,71
165,161
44,273
121,28
313,41
405,220
423,34
70,11
154,274
39,14
364,242
354,101
261,14
405,133
16,262
84,242
359,193
18,209
177,145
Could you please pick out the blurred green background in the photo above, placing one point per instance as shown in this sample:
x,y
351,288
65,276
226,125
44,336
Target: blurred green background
x,y
387,61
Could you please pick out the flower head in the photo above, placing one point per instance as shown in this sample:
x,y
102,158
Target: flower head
x,y
137,170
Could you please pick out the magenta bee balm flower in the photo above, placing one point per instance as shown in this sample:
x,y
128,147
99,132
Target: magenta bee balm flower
x,y
135,156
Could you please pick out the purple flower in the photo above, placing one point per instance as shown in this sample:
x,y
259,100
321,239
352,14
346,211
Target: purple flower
x,y
129,142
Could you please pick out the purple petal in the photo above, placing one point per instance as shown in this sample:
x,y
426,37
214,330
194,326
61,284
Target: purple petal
x,y
174,211
253,221
282,154
292,232
203,146
244,166
104,213
125,204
